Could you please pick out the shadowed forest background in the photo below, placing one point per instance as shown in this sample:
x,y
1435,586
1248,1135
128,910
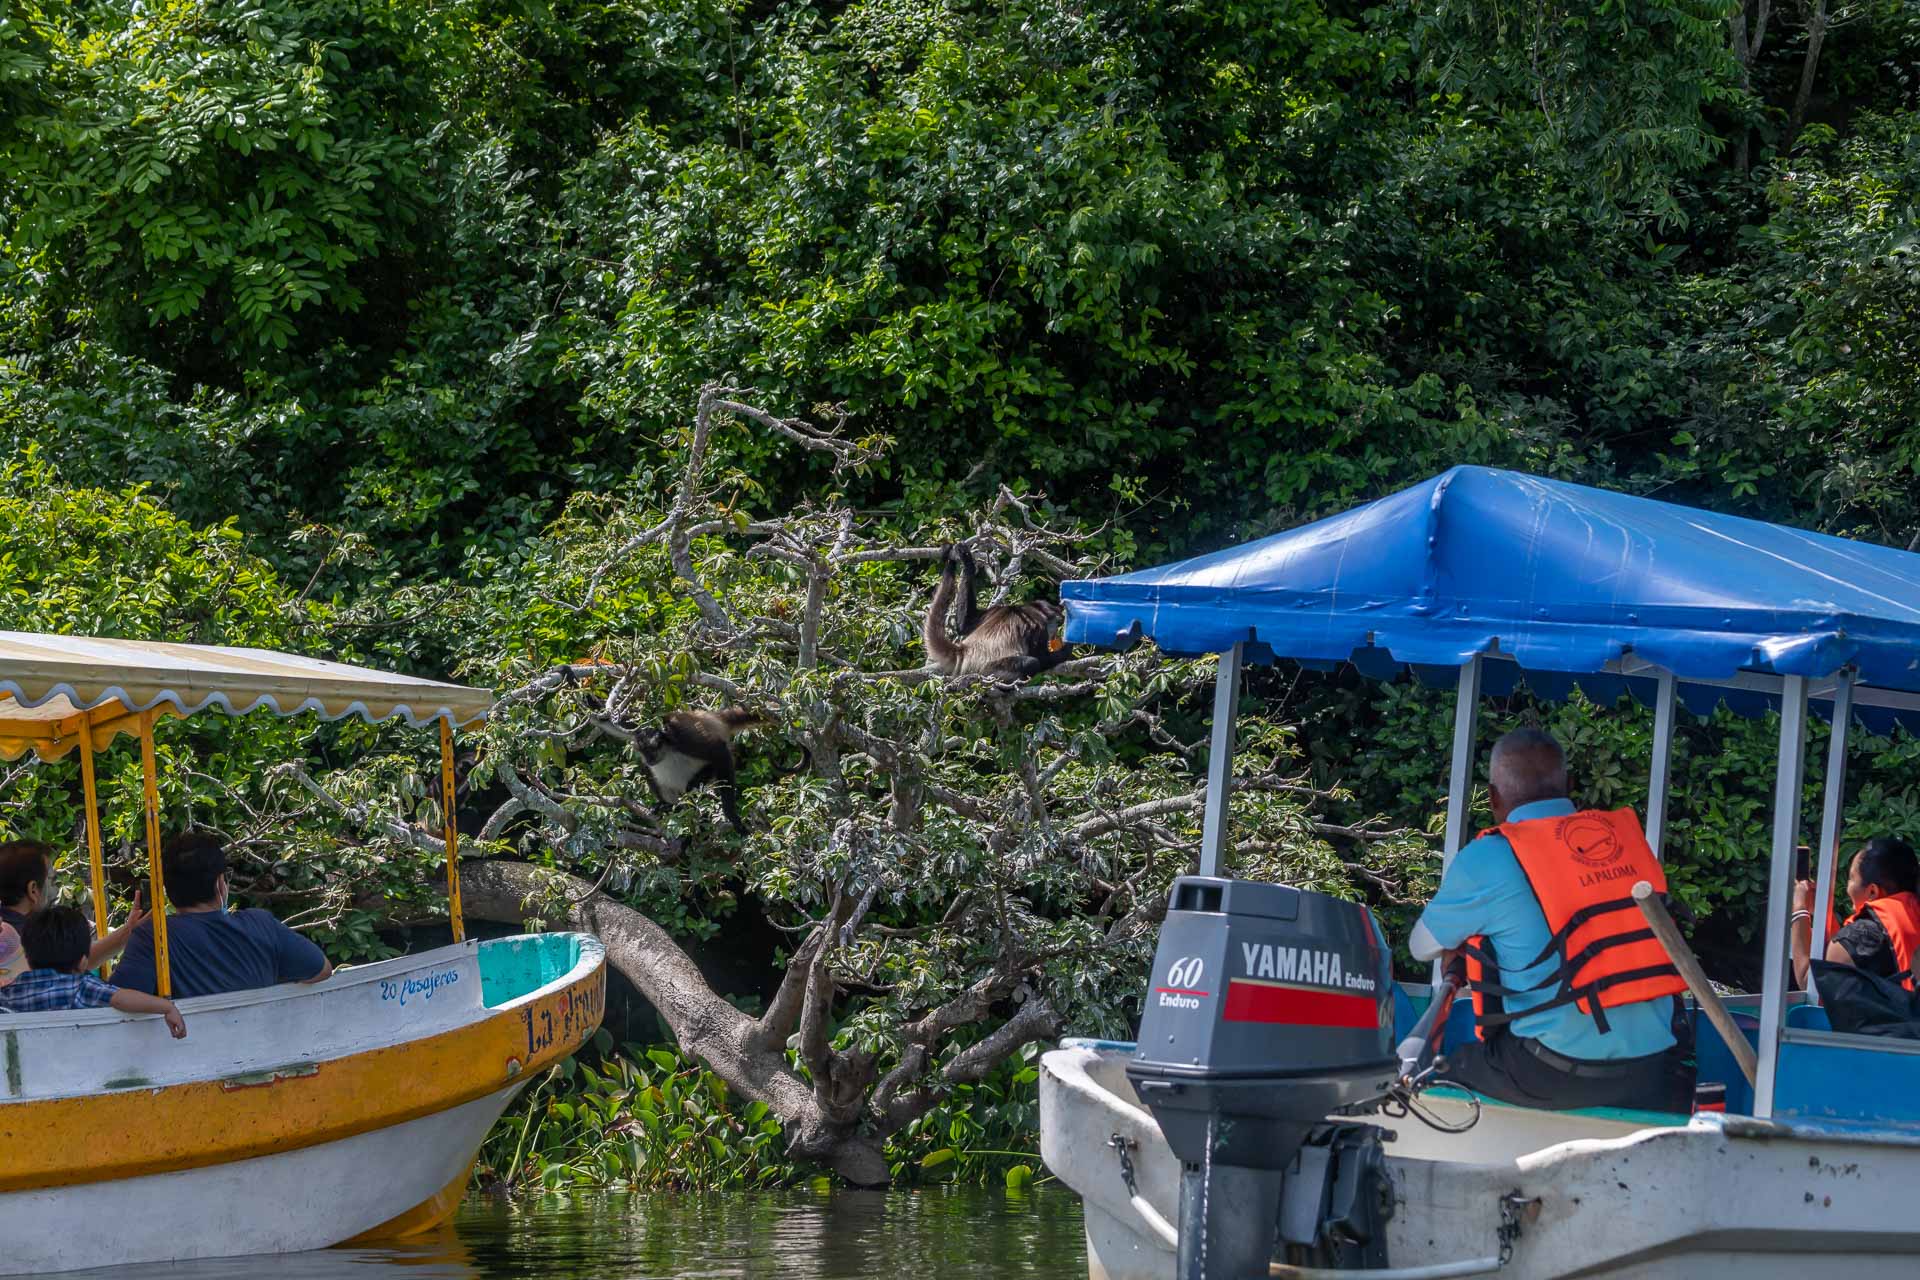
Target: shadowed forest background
x,y
379,329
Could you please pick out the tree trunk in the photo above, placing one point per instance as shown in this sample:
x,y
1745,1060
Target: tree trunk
x,y
1747,39
730,1042
1816,36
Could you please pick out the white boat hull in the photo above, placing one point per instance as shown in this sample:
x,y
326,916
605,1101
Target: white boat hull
x,y
290,1118
297,1200
1718,1196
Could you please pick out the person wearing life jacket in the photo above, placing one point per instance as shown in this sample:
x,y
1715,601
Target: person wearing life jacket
x,y
1575,1000
1882,934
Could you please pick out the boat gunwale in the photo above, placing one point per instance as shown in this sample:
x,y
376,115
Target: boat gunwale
x,y
282,1112
592,956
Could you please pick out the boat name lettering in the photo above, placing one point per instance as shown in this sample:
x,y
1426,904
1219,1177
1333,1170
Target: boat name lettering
x,y
423,986
570,1016
1302,964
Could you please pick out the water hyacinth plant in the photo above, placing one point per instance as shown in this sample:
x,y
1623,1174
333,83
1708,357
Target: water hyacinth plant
x,y
634,1118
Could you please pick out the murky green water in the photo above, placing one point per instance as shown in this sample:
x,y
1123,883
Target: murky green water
x,y
936,1234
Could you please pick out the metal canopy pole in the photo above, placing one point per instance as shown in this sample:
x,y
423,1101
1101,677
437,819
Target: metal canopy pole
x,y
451,829
1466,720
1786,835
157,889
1226,702
1466,723
96,860
1657,780
1830,815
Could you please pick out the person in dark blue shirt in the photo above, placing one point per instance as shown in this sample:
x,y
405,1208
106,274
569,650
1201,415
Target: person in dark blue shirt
x,y
211,950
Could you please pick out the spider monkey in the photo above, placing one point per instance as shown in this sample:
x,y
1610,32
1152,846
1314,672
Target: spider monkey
x,y
1008,640
692,748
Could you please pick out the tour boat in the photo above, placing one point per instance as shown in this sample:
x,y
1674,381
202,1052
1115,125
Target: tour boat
x,y
293,1117
1481,579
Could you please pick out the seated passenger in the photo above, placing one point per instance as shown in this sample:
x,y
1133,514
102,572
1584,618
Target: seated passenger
x,y
56,940
211,950
1883,932
13,960
26,885
1575,1002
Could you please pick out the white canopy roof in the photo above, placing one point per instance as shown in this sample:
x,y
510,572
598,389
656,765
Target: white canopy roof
x,y
52,688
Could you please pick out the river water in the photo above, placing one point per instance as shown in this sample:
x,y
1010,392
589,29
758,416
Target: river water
x,y
941,1233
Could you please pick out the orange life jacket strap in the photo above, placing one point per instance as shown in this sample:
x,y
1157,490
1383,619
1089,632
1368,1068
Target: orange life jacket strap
x,y
1589,992
1578,918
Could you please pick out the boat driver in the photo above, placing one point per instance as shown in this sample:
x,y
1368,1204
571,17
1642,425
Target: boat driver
x,y
1575,1003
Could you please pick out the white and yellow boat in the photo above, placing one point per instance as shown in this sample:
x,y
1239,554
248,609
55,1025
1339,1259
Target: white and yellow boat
x,y
293,1117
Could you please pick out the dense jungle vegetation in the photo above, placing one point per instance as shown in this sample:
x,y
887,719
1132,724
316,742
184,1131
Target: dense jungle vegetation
x,y
392,330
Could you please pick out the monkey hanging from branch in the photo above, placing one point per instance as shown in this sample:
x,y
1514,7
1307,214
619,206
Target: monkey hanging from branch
x,y
1011,641
692,748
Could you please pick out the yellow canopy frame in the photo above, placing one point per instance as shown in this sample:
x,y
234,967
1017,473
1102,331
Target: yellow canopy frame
x,y
59,693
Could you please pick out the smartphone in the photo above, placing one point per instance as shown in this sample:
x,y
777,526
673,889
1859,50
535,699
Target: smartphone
x,y
1803,863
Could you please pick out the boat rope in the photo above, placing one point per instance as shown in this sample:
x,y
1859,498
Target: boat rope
x,y
1148,1214
1402,1100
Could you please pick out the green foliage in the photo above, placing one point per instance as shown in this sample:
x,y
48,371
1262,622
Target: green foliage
x,y
1206,268
654,1119
97,562
985,1133
226,162
372,327
645,1119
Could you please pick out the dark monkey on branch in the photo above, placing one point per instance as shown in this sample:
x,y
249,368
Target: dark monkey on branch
x,y
1008,640
692,748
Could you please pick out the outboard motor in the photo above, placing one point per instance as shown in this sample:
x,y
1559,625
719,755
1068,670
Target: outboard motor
x,y
1270,1009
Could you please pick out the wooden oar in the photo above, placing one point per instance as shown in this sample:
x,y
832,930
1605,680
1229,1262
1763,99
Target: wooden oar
x,y
1682,956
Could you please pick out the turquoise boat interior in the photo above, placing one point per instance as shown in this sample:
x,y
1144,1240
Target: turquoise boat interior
x,y
514,967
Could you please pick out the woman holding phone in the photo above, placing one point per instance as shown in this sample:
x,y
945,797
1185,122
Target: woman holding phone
x,y
1882,934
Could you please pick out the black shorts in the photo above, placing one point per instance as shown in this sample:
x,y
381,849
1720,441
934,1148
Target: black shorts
x,y
1504,1066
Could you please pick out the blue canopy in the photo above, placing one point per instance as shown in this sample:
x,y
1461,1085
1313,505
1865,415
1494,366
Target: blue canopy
x,y
1559,577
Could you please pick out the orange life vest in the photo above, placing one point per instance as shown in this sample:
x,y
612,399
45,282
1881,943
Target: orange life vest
x,y
1899,915
1582,868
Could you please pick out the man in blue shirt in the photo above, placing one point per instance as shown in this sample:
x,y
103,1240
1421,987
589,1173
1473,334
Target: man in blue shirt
x,y
1563,1056
210,949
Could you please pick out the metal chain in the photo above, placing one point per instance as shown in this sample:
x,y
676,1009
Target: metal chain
x,y
1512,1205
1124,1146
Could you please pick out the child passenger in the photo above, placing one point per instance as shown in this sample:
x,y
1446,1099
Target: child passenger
x,y
56,940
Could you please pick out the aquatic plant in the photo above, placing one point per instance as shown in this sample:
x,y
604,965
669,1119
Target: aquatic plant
x,y
635,1118
655,1119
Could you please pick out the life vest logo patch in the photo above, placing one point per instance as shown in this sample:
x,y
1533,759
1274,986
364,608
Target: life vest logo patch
x,y
1590,840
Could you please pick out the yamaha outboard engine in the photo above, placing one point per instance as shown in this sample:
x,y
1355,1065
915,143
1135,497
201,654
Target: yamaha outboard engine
x,y
1270,1009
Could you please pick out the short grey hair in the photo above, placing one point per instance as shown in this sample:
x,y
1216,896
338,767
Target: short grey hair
x,y
1528,765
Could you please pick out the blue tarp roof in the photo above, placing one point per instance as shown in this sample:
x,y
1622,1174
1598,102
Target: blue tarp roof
x,y
1559,577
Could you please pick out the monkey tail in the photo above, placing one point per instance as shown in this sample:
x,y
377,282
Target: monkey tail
x,y
804,763
943,654
969,591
